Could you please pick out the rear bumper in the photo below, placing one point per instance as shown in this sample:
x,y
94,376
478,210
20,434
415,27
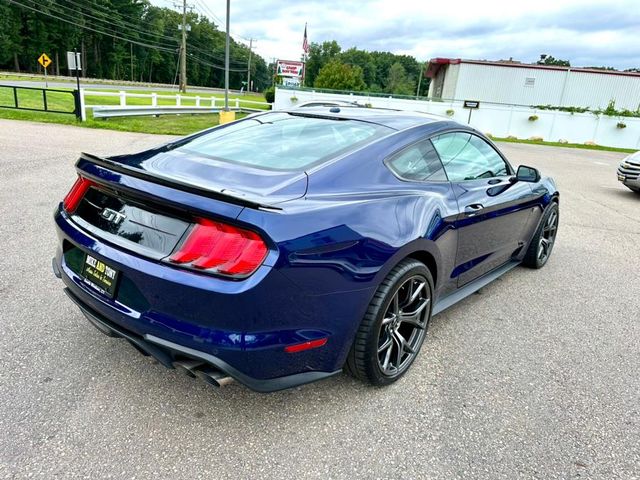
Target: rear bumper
x,y
241,328
168,353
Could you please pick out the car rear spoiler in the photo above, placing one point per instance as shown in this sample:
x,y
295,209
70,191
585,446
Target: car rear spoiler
x,y
177,184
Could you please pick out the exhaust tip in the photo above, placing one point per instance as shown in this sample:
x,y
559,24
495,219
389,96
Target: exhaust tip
x,y
188,366
213,377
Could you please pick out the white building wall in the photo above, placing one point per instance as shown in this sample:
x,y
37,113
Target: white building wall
x,y
450,81
490,83
498,120
596,91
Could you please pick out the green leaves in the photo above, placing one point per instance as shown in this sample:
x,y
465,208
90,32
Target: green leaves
x,y
380,71
340,76
121,40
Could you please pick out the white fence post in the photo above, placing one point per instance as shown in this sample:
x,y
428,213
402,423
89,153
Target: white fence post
x,y
154,99
178,100
237,103
213,101
509,121
595,130
83,110
197,100
552,136
123,98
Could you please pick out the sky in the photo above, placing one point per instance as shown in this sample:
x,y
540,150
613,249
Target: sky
x,y
586,32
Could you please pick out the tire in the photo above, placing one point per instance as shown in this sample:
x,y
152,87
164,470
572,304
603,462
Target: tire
x,y
383,325
543,240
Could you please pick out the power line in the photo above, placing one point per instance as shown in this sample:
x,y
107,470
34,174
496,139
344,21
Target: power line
x,y
104,23
138,29
75,23
206,11
243,70
86,27
121,22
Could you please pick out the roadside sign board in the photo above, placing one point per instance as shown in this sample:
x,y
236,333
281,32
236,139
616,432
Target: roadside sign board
x,y
471,104
286,68
73,61
291,82
44,60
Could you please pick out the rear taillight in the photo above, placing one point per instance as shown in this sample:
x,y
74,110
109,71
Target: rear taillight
x,y
220,248
72,200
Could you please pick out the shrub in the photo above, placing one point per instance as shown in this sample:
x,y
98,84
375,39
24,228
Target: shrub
x,y
294,99
610,110
533,118
621,125
451,112
270,94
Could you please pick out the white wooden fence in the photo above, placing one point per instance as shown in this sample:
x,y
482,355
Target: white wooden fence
x,y
179,104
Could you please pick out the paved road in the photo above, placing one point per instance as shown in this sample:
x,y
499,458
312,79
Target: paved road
x,y
536,377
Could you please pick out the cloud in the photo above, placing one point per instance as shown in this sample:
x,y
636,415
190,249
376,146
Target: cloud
x,y
587,32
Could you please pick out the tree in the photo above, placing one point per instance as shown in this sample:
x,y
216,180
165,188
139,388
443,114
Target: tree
x,y
9,34
340,76
319,56
364,60
121,39
551,60
397,81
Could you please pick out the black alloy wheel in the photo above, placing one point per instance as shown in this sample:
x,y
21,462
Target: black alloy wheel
x,y
395,325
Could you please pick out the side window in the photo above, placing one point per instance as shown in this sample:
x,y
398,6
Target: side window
x,y
468,157
418,162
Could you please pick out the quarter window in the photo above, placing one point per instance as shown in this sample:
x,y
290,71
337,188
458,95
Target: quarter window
x,y
468,157
418,162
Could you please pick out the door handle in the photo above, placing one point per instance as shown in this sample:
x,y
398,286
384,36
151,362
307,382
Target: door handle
x,y
473,209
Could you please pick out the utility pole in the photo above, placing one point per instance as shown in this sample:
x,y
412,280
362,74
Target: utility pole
x,y
419,81
249,65
183,49
131,57
275,69
226,62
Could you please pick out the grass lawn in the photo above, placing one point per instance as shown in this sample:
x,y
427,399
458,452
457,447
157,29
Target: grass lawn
x,y
565,145
167,124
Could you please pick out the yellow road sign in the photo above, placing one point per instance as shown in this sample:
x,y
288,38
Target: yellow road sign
x,y
44,60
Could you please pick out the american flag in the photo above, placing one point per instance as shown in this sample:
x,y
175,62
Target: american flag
x,y
305,43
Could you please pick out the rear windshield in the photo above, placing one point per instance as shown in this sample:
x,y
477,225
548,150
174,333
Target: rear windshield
x,y
281,141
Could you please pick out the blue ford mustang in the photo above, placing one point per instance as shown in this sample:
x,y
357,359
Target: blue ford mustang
x,y
285,247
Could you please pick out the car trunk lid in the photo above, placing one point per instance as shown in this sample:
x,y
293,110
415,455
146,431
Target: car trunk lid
x,y
208,174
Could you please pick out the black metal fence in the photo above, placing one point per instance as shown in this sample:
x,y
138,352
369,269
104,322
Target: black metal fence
x,y
48,100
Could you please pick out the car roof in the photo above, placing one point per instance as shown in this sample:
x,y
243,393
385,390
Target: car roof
x,y
395,119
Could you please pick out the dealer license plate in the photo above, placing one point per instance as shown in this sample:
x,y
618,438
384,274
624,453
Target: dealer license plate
x,y
100,276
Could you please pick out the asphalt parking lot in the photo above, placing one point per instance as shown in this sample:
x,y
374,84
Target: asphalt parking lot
x,y
536,376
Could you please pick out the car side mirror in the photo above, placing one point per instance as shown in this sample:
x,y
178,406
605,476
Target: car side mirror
x,y
527,174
